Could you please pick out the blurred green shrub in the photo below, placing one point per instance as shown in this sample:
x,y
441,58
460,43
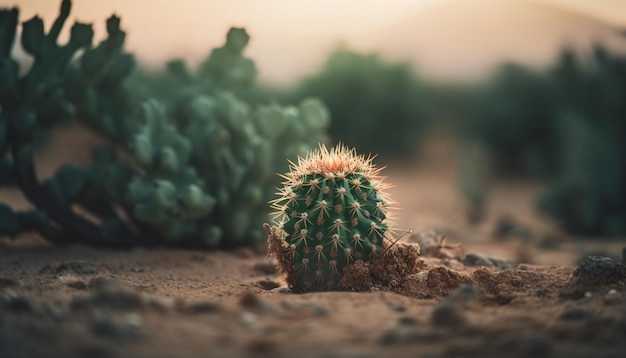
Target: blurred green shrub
x,y
587,194
566,125
376,106
188,163
512,115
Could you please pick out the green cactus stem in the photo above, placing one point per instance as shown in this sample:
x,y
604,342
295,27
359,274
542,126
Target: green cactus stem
x,y
331,212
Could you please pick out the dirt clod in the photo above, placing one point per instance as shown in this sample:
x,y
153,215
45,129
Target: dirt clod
x,y
356,277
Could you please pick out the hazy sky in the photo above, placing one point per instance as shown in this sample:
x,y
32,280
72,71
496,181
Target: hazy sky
x,y
290,38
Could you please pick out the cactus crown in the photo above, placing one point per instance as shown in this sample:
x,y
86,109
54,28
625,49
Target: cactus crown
x,y
331,211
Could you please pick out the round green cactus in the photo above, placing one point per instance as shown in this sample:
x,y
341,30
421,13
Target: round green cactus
x,y
331,212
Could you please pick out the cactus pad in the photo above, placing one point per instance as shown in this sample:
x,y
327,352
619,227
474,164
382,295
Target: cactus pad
x,y
331,212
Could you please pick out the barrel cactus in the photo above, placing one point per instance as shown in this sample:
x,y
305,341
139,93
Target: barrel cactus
x,y
331,212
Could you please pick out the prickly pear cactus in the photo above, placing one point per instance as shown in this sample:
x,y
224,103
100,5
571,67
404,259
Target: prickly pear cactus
x,y
332,212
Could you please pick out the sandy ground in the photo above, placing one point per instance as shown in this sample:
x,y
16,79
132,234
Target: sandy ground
x,y
512,294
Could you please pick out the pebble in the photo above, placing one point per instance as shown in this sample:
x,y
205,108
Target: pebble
x,y
405,334
268,284
203,307
502,264
262,346
126,328
73,282
599,270
535,346
407,321
307,305
7,282
113,295
248,318
250,300
78,267
448,314
11,301
163,305
476,259
396,307
57,310
575,314
542,293
93,350
612,298
464,294
281,289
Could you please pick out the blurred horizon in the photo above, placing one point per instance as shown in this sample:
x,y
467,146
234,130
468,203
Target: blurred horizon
x,y
445,40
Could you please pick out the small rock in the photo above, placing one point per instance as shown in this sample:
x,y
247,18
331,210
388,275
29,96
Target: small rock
x,y
56,309
396,307
248,318
407,334
502,264
11,301
203,307
507,227
93,350
421,276
309,306
112,295
136,270
464,294
250,300
542,293
78,267
476,259
535,346
262,346
73,282
612,299
268,266
575,314
599,270
407,321
127,328
7,282
162,305
281,289
268,284
448,314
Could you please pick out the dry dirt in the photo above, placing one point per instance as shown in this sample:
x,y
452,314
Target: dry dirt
x,y
507,290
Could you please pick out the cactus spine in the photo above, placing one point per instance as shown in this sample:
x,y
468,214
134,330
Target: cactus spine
x,y
331,212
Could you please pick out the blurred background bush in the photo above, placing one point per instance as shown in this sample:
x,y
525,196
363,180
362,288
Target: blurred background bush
x,y
519,96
